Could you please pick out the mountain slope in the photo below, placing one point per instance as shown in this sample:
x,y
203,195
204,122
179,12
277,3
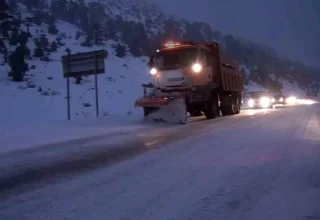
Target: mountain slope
x,y
129,31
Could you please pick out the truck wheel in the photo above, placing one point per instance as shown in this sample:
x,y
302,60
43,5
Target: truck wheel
x,y
212,107
224,110
228,106
232,108
148,110
237,106
228,109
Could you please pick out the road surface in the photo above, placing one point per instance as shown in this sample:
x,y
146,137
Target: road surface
x,y
256,165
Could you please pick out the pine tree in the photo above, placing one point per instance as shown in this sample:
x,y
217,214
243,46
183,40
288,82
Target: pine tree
x,y
14,37
18,64
4,28
23,38
4,7
59,9
43,42
2,45
111,30
97,33
38,17
26,51
52,28
120,51
135,36
68,51
53,46
38,52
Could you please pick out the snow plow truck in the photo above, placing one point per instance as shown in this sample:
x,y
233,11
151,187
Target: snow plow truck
x,y
197,75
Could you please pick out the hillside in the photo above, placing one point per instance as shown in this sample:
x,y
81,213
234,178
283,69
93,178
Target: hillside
x,y
46,30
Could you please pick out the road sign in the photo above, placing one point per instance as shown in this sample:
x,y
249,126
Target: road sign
x,y
83,64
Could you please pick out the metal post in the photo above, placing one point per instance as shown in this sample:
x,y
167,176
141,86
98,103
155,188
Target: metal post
x,y
96,83
68,89
68,97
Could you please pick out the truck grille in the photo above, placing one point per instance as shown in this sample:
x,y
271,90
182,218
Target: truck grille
x,y
175,79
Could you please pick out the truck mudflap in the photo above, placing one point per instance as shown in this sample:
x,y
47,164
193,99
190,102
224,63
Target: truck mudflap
x,y
154,101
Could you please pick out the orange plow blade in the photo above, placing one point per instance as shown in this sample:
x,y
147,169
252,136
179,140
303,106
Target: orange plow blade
x,y
155,101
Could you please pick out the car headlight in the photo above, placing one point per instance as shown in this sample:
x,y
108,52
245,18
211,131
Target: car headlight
x,y
251,103
153,71
196,67
273,100
291,100
264,102
281,99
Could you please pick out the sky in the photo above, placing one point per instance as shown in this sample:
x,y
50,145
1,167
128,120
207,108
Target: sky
x,y
291,27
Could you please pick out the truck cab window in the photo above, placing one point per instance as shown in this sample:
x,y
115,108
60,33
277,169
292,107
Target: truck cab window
x,y
206,58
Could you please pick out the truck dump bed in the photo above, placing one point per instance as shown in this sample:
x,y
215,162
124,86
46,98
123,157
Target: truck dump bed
x,y
231,79
228,74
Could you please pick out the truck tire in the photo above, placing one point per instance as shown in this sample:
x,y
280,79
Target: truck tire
x,y
224,110
237,106
229,109
212,107
148,110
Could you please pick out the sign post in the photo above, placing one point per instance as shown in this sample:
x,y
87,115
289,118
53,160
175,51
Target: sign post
x,y
84,64
68,98
96,83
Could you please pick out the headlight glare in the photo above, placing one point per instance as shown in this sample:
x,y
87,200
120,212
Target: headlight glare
x,y
196,67
153,71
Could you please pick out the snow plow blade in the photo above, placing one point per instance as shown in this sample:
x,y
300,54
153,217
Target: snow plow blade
x,y
155,101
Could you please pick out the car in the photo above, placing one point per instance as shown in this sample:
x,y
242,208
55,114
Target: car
x,y
259,99
279,100
309,99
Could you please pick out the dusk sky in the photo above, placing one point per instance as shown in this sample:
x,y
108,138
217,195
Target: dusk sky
x,y
291,27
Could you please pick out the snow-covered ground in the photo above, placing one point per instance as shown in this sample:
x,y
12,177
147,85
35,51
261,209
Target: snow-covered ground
x,y
263,165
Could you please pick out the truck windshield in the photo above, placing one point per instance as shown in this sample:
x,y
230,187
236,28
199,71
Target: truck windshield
x,y
175,59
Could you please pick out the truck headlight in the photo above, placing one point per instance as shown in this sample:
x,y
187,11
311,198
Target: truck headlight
x,y
251,103
264,102
196,67
153,71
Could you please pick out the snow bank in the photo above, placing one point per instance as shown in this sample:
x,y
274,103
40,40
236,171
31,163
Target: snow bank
x,y
174,113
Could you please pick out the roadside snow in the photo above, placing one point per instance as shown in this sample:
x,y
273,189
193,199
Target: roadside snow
x,y
16,137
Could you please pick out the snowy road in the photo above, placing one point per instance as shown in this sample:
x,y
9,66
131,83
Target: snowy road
x,y
256,165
